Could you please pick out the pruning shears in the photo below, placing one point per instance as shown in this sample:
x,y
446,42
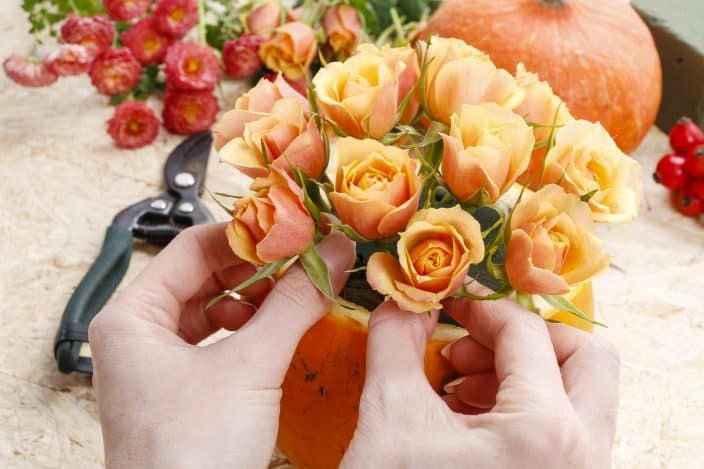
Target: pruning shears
x,y
155,220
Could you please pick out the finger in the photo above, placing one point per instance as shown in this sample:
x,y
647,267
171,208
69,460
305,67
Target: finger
x,y
198,322
293,306
477,390
177,273
468,356
396,347
525,362
456,405
590,372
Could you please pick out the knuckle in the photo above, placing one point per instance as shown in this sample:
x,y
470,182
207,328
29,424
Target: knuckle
x,y
560,436
295,289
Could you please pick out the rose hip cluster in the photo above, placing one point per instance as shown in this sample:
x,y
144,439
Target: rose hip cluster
x,y
683,170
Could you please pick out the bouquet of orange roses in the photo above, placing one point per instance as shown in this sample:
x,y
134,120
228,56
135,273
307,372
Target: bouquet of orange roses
x,y
445,170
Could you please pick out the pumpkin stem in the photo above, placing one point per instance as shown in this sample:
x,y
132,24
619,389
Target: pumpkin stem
x,y
553,3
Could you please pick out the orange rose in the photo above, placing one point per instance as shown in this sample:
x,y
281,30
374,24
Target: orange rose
x,y
287,135
434,255
253,105
291,50
376,187
488,148
272,224
551,247
460,74
342,27
362,94
263,19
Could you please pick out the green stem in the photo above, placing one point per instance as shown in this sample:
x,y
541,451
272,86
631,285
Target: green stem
x,y
73,6
553,3
201,22
398,26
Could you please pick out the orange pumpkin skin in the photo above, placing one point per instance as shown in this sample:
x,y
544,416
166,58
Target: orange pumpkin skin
x,y
598,55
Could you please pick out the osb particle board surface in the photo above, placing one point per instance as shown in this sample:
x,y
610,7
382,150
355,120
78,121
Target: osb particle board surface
x,y
61,181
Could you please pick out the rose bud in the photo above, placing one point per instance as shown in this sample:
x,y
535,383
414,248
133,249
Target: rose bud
x,y
28,72
551,247
175,17
115,71
147,43
241,56
487,148
362,94
253,105
585,160
189,112
377,189
133,125
95,33
264,19
125,10
434,256
459,74
288,136
69,59
191,66
342,27
291,50
272,224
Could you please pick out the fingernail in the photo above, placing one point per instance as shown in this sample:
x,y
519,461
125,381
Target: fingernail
x,y
445,351
451,387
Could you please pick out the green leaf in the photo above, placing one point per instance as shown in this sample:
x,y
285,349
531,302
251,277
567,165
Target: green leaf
x,y
227,209
551,138
317,271
310,204
348,231
560,303
265,272
588,196
526,300
265,155
230,196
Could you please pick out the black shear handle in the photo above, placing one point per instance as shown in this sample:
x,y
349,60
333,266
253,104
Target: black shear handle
x,y
90,295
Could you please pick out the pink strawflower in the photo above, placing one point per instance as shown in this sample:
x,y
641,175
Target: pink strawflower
x,y
125,10
175,17
69,59
28,72
146,42
189,112
115,71
133,125
191,66
95,33
241,56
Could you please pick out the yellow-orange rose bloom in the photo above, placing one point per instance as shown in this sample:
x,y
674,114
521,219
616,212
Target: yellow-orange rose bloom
x,y
286,133
584,159
377,188
434,255
361,95
291,50
488,148
552,246
460,74
273,223
540,106
342,27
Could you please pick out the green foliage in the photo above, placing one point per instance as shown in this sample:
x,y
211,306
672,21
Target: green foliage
x,y
265,272
317,271
44,15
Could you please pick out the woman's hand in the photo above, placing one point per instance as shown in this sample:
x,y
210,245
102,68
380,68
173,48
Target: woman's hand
x,y
165,402
532,395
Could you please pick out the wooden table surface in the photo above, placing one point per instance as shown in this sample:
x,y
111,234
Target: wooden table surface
x,y
61,182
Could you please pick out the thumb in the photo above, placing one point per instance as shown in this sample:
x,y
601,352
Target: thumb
x,y
270,338
396,346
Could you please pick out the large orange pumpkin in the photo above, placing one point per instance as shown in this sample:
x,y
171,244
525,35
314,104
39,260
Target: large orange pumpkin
x,y
598,55
322,388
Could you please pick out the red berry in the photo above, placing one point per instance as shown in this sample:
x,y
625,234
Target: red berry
x,y
147,43
189,112
95,33
670,172
133,125
685,135
696,187
694,162
191,66
688,203
241,56
175,17
69,59
28,72
115,71
125,10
